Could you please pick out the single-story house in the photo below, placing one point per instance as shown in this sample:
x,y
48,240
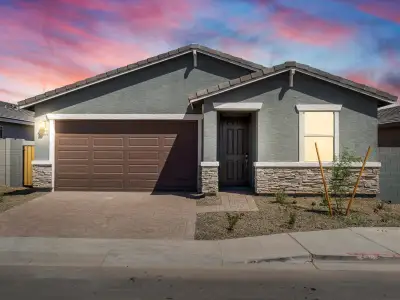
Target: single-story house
x,y
16,123
198,119
389,152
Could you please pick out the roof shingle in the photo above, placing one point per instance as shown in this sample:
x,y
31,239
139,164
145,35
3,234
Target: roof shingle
x,y
11,111
301,67
131,67
389,114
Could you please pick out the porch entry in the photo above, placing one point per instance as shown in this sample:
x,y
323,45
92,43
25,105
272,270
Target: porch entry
x,y
234,150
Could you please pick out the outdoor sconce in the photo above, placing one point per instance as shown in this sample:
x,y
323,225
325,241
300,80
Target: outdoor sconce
x,y
43,129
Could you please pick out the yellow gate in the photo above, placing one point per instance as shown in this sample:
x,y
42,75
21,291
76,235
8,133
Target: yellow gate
x,y
29,155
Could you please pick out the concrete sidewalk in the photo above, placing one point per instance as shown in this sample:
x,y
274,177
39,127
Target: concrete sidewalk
x,y
353,244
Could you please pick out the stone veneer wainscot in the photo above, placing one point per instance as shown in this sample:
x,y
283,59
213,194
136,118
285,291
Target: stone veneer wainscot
x,y
42,176
308,180
209,178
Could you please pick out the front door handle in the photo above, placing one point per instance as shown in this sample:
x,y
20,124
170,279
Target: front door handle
x,y
246,160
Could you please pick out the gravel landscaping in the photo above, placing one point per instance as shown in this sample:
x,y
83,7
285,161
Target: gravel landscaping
x,y
10,196
295,214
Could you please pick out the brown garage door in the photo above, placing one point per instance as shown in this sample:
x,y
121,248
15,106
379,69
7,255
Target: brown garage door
x,y
126,155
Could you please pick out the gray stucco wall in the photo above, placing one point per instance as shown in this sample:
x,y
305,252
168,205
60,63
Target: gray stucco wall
x,y
17,131
278,120
389,155
162,88
11,162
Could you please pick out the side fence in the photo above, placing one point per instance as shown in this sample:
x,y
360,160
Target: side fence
x,y
15,162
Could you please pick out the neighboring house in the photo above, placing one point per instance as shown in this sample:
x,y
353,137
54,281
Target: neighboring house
x,y
15,123
389,152
196,118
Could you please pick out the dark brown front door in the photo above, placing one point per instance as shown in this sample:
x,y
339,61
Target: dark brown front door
x,y
126,155
233,154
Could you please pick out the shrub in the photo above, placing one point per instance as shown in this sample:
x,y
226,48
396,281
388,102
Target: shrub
x,y
233,219
292,219
380,205
280,196
341,181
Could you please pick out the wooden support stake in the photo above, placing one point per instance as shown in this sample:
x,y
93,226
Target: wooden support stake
x,y
358,181
324,181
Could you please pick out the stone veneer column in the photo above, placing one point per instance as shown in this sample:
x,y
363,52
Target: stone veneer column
x,y
209,177
307,180
42,175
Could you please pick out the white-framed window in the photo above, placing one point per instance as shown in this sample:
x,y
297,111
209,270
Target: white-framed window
x,y
318,124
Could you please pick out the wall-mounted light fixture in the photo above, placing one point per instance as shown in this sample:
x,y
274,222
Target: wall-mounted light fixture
x,y
43,129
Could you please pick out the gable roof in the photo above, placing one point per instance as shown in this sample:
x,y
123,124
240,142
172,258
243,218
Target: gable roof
x,y
287,66
137,66
10,113
389,114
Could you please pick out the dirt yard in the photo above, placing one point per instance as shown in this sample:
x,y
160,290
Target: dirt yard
x,y
10,196
295,214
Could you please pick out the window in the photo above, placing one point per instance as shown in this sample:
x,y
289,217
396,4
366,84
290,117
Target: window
x,y
1,132
318,124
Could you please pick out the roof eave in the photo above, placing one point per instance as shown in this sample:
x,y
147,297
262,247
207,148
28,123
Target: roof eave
x,y
187,49
22,105
384,100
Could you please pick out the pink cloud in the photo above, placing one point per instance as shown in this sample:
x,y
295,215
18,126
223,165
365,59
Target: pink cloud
x,y
299,26
384,83
381,9
243,49
11,93
47,44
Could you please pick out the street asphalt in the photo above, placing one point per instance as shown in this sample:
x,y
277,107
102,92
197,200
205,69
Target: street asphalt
x,y
174,284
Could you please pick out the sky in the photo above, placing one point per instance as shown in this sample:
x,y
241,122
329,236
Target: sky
x,y
45,44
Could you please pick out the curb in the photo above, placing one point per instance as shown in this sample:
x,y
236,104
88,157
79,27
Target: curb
x,y
302,258
329,258
358,258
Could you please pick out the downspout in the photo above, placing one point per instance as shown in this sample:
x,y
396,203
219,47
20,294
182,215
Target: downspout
x,y
291,75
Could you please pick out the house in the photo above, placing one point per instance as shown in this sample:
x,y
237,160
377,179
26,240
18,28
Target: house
x,y
15,123
197,118
389,152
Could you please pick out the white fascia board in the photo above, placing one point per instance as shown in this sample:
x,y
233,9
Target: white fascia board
x,y
296,164
238,86
318,107
234,106
124,116
41,162
209,164
358,90
389,106
227,60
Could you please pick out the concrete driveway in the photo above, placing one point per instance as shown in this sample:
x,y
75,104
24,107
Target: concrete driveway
x,y
102,215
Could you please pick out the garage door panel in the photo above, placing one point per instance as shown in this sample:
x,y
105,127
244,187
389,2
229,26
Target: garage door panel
x,y
73,154
108,155
126,155
73,169
69,141
143,141
108,169
143,168
108,142
143,155
142,176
